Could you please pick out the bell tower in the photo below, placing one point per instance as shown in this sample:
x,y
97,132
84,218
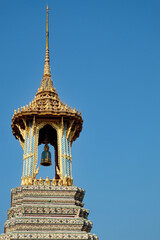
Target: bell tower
x,y
47,120
50,209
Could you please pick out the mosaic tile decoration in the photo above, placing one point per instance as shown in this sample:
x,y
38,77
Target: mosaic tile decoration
x,y
47,212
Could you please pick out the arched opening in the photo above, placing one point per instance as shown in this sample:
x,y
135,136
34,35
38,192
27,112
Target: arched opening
x,y
48,135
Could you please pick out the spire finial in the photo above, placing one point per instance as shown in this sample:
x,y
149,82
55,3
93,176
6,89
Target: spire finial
x,y
47,71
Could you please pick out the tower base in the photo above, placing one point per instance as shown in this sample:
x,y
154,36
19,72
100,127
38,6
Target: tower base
x,y
47,212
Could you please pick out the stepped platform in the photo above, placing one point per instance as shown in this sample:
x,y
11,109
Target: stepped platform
x,y
47,212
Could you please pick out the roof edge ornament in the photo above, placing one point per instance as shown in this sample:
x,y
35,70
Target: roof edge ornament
x,y
47,71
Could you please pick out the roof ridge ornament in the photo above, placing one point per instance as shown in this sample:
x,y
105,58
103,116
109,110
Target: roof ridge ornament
x,y
47,71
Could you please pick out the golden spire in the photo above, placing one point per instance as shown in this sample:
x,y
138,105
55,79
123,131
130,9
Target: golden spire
x,y
47,71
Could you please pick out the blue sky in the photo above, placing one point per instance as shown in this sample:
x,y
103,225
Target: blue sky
x,y
105,61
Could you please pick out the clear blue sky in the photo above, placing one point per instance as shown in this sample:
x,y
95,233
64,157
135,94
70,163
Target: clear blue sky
x,y
105,61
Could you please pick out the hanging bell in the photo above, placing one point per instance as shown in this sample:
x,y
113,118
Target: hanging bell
x,y
46,156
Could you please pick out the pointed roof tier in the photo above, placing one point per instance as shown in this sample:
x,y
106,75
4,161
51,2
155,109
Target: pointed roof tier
x,y
46,103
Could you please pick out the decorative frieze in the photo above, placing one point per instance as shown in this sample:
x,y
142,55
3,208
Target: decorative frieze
x,y
48,236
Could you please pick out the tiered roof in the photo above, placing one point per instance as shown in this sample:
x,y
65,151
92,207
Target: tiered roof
x,y
46,103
